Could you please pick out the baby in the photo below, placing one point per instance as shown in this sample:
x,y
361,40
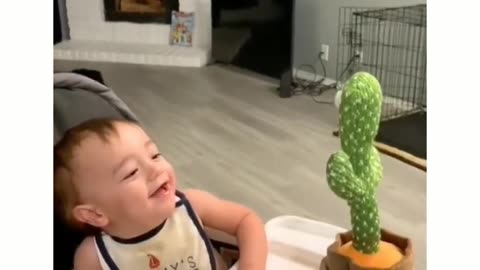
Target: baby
x,y
111,180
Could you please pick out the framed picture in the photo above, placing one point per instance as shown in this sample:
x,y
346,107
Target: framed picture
x,y
181,29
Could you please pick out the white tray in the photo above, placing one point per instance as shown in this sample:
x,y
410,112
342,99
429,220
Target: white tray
x,y
297,243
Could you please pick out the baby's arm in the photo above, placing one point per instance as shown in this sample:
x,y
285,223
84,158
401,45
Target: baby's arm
x,y
86,257
235,220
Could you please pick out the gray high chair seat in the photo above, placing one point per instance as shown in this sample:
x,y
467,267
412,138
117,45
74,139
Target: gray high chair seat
x,y
78,98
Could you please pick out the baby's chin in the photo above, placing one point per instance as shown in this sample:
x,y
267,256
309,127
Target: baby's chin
x,y
166,208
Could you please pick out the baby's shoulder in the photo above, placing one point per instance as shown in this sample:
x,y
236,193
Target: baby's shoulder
x,y
86,256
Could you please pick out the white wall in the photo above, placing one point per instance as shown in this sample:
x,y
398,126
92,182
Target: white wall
x,y
316,23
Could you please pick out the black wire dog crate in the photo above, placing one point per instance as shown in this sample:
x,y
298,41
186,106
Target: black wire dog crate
x,y
389,43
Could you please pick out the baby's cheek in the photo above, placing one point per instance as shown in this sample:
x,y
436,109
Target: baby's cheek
x,y
134,194
139,191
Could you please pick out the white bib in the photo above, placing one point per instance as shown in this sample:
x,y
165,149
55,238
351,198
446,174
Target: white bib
x,y
180,243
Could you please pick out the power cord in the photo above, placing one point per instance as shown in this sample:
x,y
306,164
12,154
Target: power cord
x,y
315,87
312,87
350,62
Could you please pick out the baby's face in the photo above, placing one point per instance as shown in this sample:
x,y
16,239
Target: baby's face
x,y
125,179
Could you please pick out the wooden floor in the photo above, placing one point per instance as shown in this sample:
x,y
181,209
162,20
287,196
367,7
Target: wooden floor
x,y
227,132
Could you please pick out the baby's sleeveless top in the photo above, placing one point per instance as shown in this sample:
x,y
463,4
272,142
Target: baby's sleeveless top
x,y
180,243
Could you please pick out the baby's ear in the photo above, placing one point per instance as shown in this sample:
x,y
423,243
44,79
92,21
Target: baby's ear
x,y
89,214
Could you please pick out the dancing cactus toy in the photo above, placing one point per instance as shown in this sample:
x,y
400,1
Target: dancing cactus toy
x,y
355,172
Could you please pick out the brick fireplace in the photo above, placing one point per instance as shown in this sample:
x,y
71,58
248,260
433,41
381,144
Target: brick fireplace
x,y
133,31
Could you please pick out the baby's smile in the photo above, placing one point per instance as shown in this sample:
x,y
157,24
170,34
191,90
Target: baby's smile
x,y
163,190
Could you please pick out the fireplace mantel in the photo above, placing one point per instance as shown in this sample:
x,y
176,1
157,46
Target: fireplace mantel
x,y
95,38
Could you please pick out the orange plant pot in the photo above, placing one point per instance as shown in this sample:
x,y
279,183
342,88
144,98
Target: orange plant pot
x,y
336,261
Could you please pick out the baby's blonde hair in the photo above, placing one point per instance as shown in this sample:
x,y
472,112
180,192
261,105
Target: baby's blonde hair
x,y
65,193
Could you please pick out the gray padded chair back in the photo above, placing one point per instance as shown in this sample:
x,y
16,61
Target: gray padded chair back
x,y
78,98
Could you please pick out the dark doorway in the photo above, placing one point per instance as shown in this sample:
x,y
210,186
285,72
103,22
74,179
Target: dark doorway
x,y
57,29
267,50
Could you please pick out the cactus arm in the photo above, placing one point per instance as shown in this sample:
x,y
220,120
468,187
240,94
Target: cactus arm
x,y
341,178
364,216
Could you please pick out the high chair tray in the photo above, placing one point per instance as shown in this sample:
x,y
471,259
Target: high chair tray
x,y
297,243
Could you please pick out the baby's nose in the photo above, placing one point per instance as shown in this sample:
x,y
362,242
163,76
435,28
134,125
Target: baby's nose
x,y
157,174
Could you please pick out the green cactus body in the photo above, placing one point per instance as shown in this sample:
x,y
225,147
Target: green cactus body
x,y
354,173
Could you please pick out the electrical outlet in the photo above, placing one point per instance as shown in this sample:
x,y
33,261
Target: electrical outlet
x,y
324,52
359,54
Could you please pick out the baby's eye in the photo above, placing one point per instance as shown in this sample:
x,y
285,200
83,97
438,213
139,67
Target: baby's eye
x,y
132,173
156,156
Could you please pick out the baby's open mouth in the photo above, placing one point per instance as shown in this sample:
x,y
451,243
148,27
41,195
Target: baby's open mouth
x,y
162,190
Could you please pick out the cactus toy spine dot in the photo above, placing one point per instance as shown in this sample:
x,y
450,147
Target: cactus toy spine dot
x,y
354,173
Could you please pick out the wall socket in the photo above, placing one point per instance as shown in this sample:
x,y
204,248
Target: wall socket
x,y
359,54
324,52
